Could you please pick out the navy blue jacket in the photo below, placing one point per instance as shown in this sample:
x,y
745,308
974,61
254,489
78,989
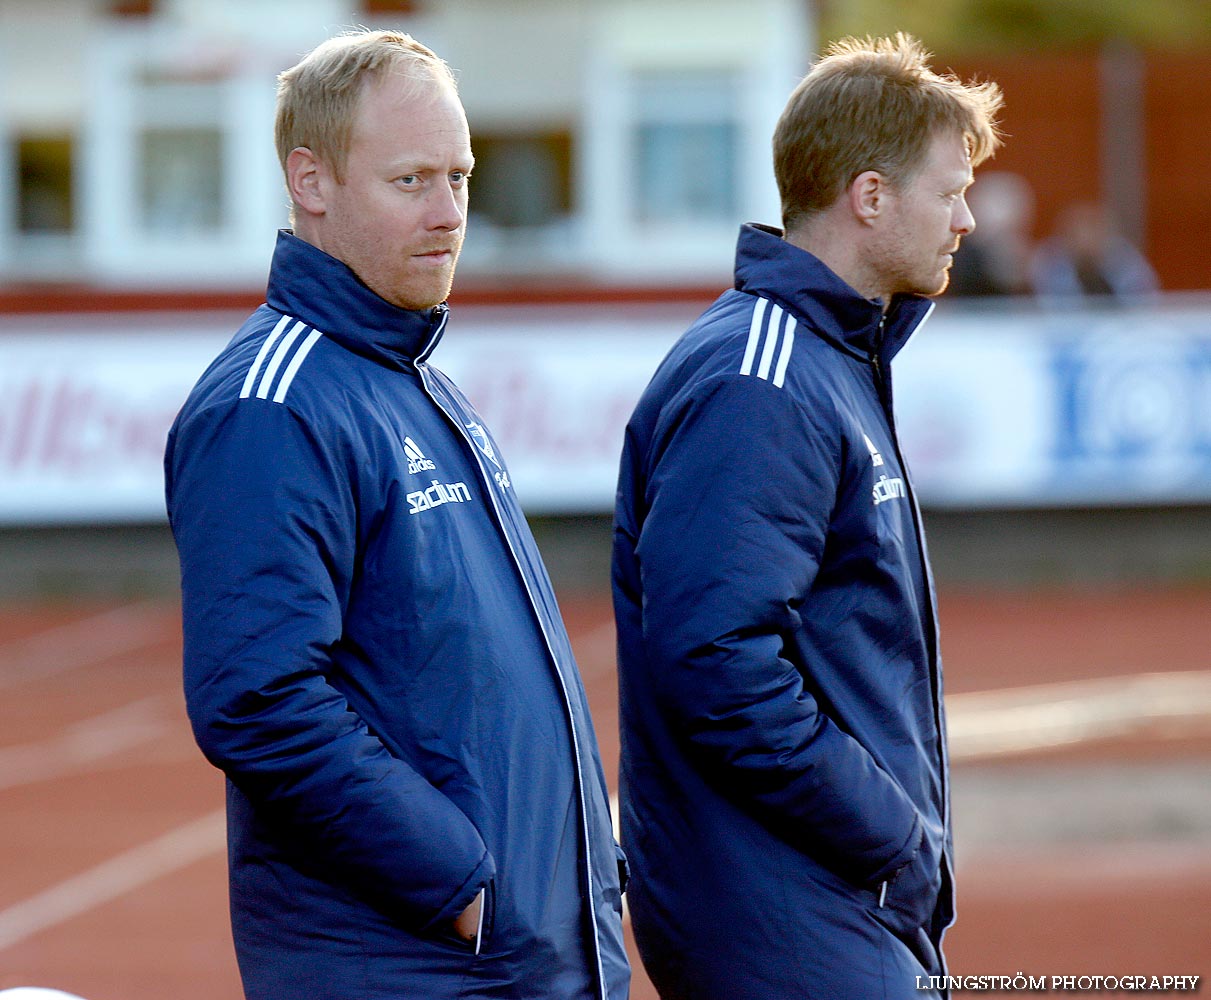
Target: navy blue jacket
x,y
784,782
375,658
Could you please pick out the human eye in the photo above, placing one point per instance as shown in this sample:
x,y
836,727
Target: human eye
x,y
459,177
408,181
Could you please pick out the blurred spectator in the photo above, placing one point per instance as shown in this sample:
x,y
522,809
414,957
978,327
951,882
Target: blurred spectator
x,y
995,258
1088,256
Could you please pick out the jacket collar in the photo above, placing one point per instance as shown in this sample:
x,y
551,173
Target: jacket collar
x,y
768,266
307,283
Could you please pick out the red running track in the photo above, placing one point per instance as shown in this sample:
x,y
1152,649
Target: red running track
x,y
111,844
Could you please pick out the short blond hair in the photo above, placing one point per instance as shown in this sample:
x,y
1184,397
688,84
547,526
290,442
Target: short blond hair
x,y
318,97
873,104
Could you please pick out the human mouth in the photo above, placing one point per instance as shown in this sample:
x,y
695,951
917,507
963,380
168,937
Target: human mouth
x,y
440,256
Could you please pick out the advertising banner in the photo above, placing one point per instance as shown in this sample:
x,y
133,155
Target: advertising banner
x,y
1059,409
994,409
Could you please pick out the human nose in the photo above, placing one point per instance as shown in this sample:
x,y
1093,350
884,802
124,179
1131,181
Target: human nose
x,y
963,222
448,207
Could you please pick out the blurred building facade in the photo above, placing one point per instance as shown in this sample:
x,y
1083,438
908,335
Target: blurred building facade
x,y
620,143
622,139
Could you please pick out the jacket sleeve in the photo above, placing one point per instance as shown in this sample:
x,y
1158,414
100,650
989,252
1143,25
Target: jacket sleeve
x,y
263,511
741,484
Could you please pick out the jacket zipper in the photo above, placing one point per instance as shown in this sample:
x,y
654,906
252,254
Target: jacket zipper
x,y
883,389
586,833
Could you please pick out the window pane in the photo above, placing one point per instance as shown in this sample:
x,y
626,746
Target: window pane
x,y
181,179
685,139
522,179
685,95
44,185
686,172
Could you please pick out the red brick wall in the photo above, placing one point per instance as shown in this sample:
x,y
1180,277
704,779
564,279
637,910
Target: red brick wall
x,y
1052,116
1178,110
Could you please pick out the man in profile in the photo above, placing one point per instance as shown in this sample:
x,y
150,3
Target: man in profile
x,y
785,797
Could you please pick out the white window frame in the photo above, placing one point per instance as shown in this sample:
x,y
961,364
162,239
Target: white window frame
x,y
116,246
766,54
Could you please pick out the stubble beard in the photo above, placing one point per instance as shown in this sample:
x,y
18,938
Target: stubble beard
x,y
415,295
942,284
919,282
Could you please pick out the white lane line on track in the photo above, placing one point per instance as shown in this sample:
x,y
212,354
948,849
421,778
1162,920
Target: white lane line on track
x,y
997,723
1013,720
1063,870
84,743
114,878
988,724
982,724
80,643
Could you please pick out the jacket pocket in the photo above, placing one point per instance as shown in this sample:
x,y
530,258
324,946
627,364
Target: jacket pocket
x,y
487,922
905,903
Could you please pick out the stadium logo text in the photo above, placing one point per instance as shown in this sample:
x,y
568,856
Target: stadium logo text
x,y
436,495
888,489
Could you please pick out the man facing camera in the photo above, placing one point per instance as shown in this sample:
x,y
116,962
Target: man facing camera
x,y
373,651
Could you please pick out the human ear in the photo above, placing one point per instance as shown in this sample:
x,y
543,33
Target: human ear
x,y
305,176
867,193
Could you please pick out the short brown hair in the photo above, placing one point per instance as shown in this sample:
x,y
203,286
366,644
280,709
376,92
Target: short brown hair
x,y
318,97
872,104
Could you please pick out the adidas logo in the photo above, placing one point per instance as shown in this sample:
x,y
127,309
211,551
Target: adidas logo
x,y
416,458
875,458
886,488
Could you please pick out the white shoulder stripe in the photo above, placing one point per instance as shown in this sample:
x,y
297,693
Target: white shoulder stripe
x,y
262,380
260,358
771,339
279,355
754,337
778,332
788,342
293,367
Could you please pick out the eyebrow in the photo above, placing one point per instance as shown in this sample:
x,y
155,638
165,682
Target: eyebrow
x,y
429,166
